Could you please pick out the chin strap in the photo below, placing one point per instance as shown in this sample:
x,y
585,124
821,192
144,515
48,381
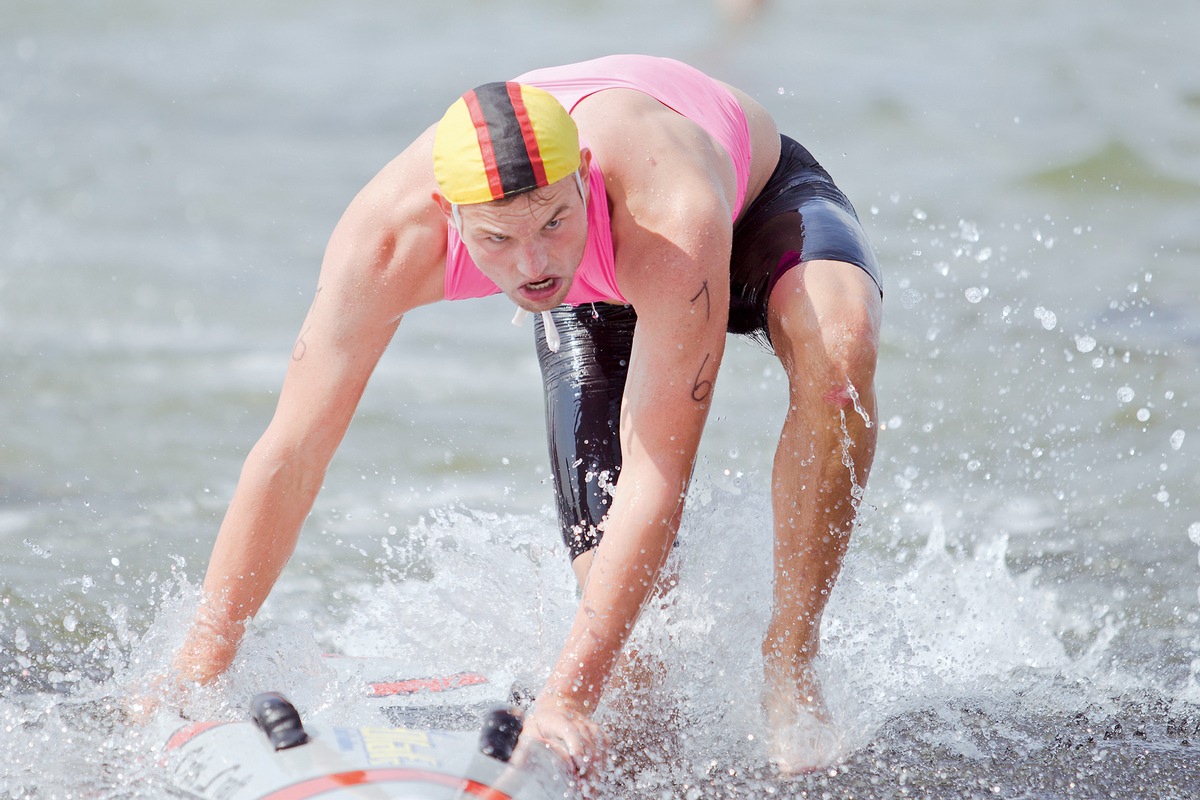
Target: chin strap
x,y
553,342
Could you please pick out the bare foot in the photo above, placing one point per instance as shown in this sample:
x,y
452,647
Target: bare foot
x,y
808,744
801,736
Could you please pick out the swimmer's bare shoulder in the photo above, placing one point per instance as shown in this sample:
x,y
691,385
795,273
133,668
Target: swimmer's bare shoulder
x,y
764,141
623,126
392,235
655,162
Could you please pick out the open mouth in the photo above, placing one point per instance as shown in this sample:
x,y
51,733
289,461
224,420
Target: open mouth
x,y
537,291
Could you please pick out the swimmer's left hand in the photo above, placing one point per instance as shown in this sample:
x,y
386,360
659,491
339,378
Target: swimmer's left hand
x,y
568,729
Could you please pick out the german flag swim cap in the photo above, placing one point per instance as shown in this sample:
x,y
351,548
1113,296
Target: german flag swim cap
x,y
501,139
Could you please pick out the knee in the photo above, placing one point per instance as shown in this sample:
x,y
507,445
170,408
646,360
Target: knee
x,y
851,352
826,333
834,359
827,313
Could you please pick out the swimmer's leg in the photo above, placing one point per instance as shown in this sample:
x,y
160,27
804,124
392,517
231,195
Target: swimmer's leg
x,y
824,319
584,382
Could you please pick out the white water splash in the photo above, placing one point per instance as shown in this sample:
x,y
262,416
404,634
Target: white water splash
x,y
909,630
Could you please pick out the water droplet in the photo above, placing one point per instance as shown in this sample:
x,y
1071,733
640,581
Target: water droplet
x,y
1177,439
1085,344
70,622
1194,533
1048,318
1125,394
116,562
974,294
1143,414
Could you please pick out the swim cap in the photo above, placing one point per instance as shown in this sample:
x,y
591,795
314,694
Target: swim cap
x,y
501,139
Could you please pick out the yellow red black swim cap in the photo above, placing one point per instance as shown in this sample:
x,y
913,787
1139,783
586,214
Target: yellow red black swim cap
x,y
502,139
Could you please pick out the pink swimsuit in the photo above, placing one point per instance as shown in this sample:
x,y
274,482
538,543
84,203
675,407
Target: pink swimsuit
x,y
681,88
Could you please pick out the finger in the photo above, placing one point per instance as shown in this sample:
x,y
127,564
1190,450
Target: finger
x,y
567,746
559,748
590,736
602,740
587,747
578,750
520,756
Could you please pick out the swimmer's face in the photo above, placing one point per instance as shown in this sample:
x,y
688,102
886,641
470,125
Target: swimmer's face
x,y
529,245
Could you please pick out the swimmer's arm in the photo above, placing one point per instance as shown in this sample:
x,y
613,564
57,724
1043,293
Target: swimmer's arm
x,y
373,272
678,284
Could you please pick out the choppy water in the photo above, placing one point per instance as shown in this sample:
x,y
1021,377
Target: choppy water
x,y
1018,616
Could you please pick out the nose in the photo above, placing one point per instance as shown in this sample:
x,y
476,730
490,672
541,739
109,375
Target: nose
x,y
532,261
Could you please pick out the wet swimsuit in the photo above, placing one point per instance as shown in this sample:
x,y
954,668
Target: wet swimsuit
x,y
799,216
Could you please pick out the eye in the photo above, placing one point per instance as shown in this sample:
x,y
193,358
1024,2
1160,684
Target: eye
x,y
554,224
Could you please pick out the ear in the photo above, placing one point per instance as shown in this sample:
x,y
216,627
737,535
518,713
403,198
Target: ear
x,y
444,205
585,164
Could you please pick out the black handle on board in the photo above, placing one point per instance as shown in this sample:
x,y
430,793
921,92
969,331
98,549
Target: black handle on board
x,y
278,719
501,730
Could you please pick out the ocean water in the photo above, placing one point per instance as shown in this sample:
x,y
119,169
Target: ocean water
x,y
1018,614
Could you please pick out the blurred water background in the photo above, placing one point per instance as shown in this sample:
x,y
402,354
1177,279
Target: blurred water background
x,y
1018,615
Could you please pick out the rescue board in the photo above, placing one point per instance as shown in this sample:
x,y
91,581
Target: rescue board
x,y
447,737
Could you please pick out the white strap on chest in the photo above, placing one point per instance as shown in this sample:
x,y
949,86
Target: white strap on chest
x,y
548,327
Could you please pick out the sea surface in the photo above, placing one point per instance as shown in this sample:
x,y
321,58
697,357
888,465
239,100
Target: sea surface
x,y
1018,613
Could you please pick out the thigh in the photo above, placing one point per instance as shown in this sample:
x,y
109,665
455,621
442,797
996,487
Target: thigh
x,y
824,320
584,382
825,300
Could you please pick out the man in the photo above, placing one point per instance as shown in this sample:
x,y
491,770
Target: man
x,y
641,209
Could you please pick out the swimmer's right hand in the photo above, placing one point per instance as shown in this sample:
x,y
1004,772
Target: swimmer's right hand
x,y
141,704
204,657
